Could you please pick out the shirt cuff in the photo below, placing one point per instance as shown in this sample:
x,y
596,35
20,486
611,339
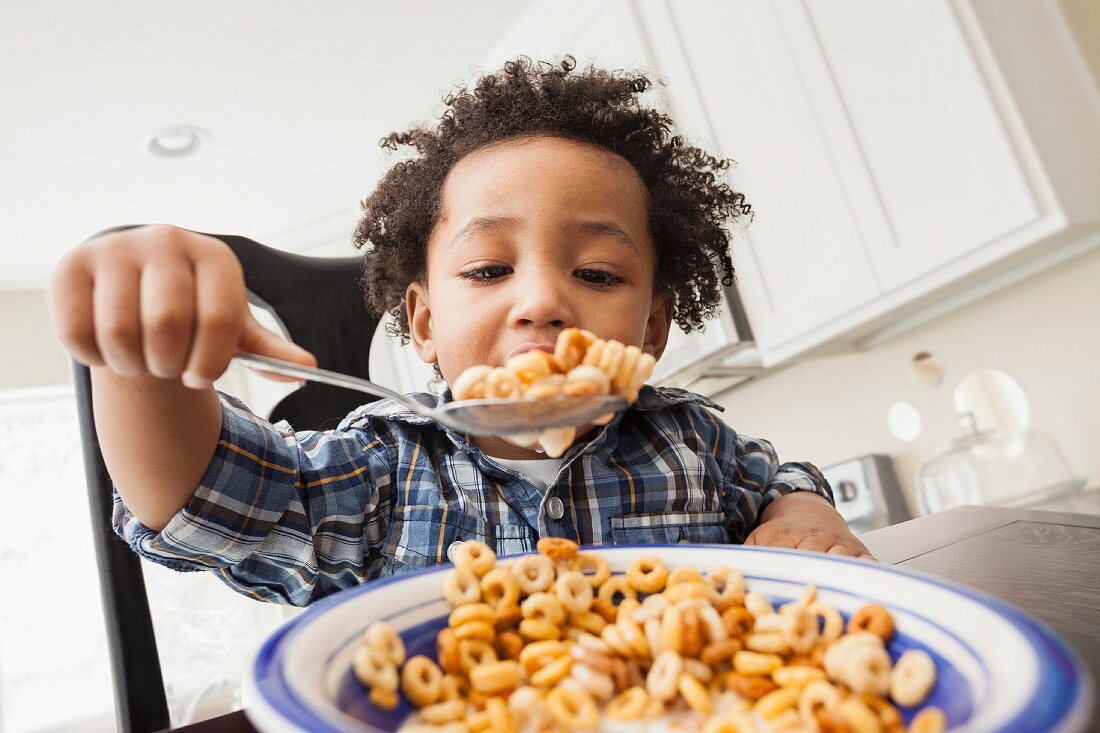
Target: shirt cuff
x,y
248,485
793,477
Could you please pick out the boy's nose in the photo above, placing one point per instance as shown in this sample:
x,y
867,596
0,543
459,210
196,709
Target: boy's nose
x,y
540,303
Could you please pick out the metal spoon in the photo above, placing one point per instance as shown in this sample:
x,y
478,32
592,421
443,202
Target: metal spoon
x,y
476,417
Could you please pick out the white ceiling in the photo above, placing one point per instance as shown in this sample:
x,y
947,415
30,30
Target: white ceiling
x,y
295,95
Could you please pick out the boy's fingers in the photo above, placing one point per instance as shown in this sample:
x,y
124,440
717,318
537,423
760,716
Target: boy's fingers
x,y
167,315
220,310
258,340
116,308
69,297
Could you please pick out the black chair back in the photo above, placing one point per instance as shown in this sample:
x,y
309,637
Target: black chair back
x,y
319,303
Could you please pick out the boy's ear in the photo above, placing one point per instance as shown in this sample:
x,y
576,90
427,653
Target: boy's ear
x,y
420,321
658,324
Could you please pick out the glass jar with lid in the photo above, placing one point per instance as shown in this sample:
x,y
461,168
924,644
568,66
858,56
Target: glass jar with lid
x,y
1003,467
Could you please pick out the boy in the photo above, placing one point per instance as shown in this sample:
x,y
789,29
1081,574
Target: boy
x,y
544,199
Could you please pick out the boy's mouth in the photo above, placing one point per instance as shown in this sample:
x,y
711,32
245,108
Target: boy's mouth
x,y
528,346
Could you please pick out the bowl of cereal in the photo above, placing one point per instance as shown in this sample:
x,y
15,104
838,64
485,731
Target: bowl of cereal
x,y
721,639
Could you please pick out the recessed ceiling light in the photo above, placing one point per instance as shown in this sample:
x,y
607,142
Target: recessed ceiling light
x,y
176,142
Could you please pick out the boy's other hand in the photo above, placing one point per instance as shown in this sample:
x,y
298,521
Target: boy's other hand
x,y
158,301
802,520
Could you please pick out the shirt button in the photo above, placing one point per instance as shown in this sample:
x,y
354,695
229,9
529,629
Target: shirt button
x,y
554,507
452,549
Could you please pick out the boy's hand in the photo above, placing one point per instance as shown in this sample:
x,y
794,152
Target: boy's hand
x,y
159,301
805,521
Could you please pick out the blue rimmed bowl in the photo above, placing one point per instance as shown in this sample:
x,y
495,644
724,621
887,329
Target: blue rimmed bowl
x,y
999,669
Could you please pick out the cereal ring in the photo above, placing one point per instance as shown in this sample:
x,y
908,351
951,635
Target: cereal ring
x,y
776,702
664,676
729,585
381,635
572,708
507,616
527,706
571,347
616,586
858,715
598,684
535,629
538,654
534,573
589,621
698,669
374,667
383,698
647,575
530,365
421,681
928,720
545,387
473,652
461,587
495,678
768,623
464,614
543,607
888,715
508,645
501,383
643,370
633,636
557,548
652,607
816,696
912,678
672,629
555,441
719,652
652,630
447,711
684,574
867,670
758,604
500,719
593,567
470,385
755,663
692,632
832,622
475,630
712,624
574,592
626,608
695,694
586,380
738,621
598,662
752,687
613,635
873,618
689,590
553,672
797,675
474,556
606,609
446,651
500,588
455,687
630,704
799,628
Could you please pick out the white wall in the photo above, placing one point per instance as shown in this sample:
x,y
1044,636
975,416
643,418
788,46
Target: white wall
x,y
30,356
1044,332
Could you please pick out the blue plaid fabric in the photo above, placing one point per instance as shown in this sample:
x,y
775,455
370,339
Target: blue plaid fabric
x,y
291,516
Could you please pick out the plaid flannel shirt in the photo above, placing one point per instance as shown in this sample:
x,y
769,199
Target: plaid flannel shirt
x,y
291,516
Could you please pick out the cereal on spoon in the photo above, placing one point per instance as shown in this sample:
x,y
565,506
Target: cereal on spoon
x,y
554,642
582,364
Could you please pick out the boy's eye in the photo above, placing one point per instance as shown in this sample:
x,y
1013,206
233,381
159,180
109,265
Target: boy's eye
x,y
484,274
593,276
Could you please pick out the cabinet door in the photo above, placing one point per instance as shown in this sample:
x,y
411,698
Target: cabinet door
x,y
936,177
802,261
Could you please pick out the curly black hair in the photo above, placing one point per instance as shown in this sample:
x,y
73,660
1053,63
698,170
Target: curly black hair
x,y
689,206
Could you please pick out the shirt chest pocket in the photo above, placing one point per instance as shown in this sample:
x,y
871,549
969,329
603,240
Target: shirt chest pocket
x,y
670,528
421,536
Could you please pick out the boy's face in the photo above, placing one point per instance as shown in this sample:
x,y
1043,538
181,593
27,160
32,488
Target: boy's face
x,y
534,236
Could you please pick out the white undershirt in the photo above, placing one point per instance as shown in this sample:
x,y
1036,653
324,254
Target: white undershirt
x,y
539,471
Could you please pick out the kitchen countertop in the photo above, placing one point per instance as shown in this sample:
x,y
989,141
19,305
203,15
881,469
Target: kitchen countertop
x,y
1045,563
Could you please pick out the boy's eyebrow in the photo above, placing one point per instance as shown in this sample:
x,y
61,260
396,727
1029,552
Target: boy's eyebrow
x,y
599,227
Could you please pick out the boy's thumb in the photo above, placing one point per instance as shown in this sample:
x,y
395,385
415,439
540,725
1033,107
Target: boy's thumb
x,y
256,339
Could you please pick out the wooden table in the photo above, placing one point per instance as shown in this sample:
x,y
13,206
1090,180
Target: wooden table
x,y
1046,563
